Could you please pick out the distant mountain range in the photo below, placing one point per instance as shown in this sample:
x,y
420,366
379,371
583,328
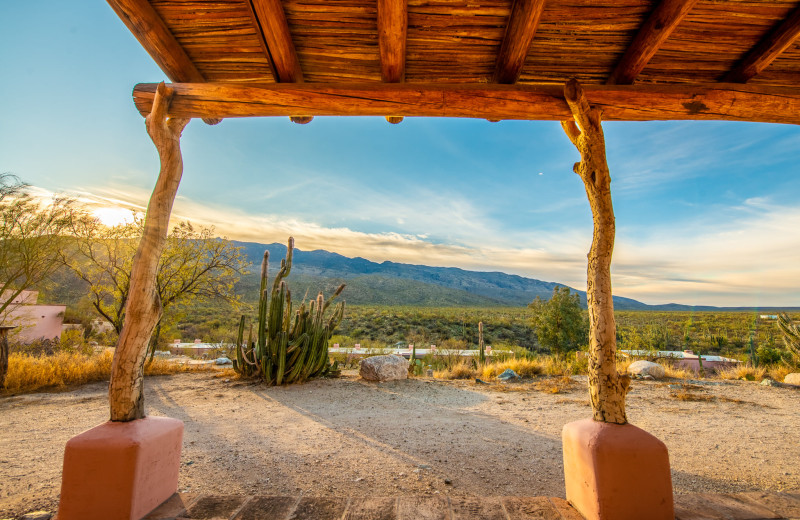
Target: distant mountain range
x,y
391,283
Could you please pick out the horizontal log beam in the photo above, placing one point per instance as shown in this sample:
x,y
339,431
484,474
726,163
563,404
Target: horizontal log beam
x,y
520,30
484,101
767,50
652,34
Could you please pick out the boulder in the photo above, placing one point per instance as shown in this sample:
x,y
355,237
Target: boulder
x,y
792,379
223,361
508,375
384,368
646,368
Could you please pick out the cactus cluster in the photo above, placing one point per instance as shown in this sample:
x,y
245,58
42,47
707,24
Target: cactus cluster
x,y
290,346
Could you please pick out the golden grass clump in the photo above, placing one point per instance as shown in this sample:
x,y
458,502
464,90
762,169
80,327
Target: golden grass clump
x,y
461,370
523,367
678,372
28,373
746,372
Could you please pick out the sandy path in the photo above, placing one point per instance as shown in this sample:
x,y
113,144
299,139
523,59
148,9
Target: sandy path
x,y
348,437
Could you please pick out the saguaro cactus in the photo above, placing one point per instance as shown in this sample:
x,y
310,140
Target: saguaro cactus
x,y
287,350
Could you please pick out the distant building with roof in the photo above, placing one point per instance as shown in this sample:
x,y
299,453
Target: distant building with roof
x,y
684,359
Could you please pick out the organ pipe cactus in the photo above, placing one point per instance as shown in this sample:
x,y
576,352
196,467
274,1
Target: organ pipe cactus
x,y
791,335
290,346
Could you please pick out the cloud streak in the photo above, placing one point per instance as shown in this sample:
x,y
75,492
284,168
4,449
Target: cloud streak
x,y
748,260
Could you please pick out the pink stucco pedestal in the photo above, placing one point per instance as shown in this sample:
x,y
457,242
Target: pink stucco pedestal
x,y
616,472
121,470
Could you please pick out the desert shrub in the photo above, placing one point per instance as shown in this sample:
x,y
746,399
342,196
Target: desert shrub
x,y
523,367
29,373
746,372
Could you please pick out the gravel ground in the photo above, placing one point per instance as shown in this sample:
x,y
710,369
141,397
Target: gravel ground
x,y
417,437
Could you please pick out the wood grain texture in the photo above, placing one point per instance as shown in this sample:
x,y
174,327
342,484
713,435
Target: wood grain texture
x,y
151,31
767,50
477,508
520,30
524,102
274,28
607,388
143,309
392,32
664,19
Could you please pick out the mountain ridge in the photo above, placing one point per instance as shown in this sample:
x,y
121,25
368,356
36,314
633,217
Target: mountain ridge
x,y
378,282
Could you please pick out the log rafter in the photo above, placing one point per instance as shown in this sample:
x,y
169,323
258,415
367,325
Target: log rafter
x,y
779,39
272,27
520,30
392,35
484,101
155,37
652,34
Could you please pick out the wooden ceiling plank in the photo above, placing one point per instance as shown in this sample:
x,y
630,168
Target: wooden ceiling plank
x,y
484,101
652,34
520,30
274,28
392,36
154,35
783,36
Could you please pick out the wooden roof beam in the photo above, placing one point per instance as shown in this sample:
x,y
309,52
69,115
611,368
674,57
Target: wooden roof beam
x,y
652,34
273,27
484,101
783,36
520,30
392,33
153,34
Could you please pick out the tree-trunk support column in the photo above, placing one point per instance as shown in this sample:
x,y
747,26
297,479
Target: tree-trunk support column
x,y
612,470
144,307
607,388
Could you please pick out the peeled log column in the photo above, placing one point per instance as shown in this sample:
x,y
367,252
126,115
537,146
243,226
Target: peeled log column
x,y
607,388
144,306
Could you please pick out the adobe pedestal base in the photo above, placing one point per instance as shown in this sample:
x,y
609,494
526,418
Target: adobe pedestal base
x,y
616,472
121,470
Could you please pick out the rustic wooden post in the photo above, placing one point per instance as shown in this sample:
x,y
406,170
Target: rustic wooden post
x,y
612,470
144,306
607,388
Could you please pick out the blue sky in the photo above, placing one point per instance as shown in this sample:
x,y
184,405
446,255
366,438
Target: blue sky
x,y
707,212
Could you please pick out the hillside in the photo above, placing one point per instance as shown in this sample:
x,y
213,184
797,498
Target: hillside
x,y
391,283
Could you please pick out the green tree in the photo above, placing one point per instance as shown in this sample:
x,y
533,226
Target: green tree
x,y
31,235
560,323
194,267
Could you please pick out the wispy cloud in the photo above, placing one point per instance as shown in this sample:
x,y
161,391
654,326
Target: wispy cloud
x,y
747,258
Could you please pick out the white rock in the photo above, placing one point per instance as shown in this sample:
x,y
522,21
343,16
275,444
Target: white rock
x,y
646,368
792,379
384,368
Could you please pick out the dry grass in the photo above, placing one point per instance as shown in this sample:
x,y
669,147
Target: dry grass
x,y
523,367
746,372
28,373
678,372
460,370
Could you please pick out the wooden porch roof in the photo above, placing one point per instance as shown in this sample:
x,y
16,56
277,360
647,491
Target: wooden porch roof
x,y
638,59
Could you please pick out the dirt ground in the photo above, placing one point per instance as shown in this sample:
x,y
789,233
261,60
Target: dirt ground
x,y
349,437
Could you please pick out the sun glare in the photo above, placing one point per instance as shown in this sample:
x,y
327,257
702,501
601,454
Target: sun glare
x,y
113,216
